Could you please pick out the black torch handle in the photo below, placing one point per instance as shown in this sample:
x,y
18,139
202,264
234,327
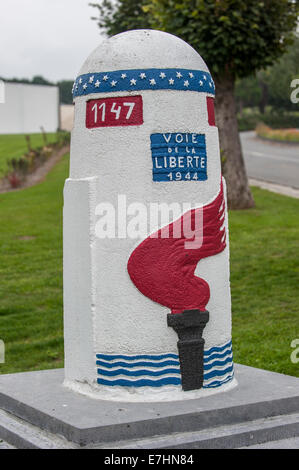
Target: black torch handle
x,y
189,326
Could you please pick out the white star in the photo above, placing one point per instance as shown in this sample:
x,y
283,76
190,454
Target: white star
x,y
113,83
171,81
85,86
105,78
186,83
191,75
123,75
133,81
152,81
142,75
201,83
162,75
179,75
91,79
210,84
204,77
80,81
97,84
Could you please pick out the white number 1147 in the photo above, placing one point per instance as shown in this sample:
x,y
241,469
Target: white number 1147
x,y
114,109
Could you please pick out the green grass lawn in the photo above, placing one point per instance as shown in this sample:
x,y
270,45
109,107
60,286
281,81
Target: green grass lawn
x,y
264,278
31,274
15,145
265,282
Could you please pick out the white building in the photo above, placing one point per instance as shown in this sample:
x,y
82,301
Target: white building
x,y
26,108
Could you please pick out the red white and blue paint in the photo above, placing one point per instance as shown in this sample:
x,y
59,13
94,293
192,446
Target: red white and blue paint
x,y
144,79
179,157
158,370
163,269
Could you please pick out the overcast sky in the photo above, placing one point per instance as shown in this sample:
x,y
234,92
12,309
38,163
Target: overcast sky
x,y
46,37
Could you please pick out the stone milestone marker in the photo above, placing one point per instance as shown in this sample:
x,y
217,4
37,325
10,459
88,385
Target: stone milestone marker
x,y
146,302
147,305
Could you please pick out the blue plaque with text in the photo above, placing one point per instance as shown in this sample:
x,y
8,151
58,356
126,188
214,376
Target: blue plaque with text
x,y
179,157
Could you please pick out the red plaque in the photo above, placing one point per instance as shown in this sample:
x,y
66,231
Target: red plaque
x,y
118,111
211,111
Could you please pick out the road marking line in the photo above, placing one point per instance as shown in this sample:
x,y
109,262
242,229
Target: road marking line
x,y
273,157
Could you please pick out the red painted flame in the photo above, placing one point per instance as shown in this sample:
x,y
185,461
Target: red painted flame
x,y
163,269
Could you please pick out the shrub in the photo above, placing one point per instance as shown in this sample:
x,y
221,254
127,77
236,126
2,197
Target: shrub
x,y
19,168
63,138
282,135
249,120
14,180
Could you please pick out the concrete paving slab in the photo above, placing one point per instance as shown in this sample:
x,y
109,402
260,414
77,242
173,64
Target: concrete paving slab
x,y
5,445
40,398
220,437
292,443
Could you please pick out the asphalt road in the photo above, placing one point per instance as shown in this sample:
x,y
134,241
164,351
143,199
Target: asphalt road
x,y
273,162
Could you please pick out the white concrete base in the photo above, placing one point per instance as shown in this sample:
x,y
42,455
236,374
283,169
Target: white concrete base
x,y
145,394
39,412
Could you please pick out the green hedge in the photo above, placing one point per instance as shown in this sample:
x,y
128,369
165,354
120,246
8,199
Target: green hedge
x,y
249,121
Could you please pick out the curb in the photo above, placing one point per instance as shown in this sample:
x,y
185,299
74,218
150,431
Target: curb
x,y
275,188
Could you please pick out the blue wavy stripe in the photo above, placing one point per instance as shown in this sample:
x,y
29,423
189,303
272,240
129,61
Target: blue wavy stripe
x,y
138,373
217,348
144,79
218,364
141,382
218,383
150,357
111,365
213,357
218,373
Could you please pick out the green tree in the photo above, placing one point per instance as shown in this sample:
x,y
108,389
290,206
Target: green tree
x,y
121,15
40,80
65,91
235,38
279,76
247,93
252,91
276,79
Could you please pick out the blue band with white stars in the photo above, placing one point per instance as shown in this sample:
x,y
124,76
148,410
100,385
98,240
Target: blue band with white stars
x,y
144,79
